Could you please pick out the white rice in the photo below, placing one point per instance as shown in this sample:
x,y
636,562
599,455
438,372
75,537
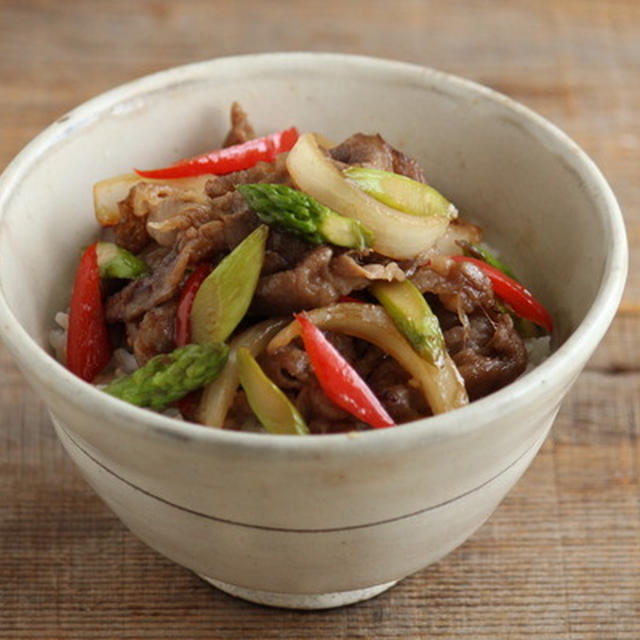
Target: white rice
x,y
538,350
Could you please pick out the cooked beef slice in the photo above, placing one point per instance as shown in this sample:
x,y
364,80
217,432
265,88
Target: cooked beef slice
x,y
460,286
482,340
273,172
241,129
390,382
372,151
142,294
318,279
131,230
154,211
489,352
288,367
154,333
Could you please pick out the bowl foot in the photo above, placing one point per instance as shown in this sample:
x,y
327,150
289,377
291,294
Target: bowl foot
x,y
300,601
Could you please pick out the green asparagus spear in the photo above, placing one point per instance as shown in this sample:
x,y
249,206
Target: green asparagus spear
x,y
401,192
270,405
295,211
225,295
169,377
412,315
116,262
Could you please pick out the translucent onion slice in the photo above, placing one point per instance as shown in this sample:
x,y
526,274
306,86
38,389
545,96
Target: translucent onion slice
x,y
108,193
218,396
440,385
396,234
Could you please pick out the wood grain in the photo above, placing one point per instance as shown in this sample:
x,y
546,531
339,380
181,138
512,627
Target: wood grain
x,y
560,558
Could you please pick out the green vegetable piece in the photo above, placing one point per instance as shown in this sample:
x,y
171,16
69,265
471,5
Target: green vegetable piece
x,y
413,317
295,211
271,406
116,262
168,377
482,253
402,193
224,296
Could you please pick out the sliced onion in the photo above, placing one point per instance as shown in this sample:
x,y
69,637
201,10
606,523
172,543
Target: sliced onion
x,y
396,235
440,385
218,395
108,193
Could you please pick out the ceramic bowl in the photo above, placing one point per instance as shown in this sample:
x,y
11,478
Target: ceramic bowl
x,y
324,520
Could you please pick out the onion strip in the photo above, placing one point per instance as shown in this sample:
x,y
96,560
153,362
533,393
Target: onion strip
x,y
441,385
396,234
108,193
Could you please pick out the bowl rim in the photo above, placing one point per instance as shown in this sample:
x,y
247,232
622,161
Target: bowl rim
x,y
35,360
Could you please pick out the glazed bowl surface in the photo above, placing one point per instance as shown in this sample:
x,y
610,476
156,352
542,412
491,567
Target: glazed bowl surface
x,y
323,520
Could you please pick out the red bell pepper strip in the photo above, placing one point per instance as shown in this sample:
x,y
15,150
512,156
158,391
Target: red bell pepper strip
x,y
339,380
229,159
520,299
183,314
88,348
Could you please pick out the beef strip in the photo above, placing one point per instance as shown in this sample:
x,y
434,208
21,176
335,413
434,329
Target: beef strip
x,y
154,211
144,293
274,172
284,251
288,367
241,129
482,340
131,230
318,279
154,333
489,353
390,382
460,286
372,151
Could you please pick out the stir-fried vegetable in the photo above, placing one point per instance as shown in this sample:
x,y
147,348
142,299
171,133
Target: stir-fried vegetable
x,y
170,376
229,159
107,194
185,304
286,208
370,322
520,299
412,315
224,296
396,234
482,253
88,347
339,380
270,405
401,192
116,262
218,396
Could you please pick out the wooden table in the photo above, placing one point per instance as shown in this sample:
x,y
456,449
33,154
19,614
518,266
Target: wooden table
x,y
560,558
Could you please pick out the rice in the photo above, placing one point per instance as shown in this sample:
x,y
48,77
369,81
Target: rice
x,y
538,350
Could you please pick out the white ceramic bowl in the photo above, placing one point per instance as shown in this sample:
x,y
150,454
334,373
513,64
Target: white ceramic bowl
x,y
323,520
